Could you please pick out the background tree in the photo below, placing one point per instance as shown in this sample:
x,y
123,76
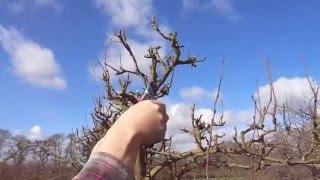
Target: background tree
x,y
36,159
4,137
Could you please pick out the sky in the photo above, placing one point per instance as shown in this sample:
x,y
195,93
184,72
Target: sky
x,y
49,51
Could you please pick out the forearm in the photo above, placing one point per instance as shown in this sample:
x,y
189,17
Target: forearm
x,y
104,166
123,145
113,157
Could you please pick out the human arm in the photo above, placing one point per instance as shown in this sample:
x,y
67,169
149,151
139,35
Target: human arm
x,y
144,123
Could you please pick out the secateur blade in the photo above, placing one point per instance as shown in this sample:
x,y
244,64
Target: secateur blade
x,y
148,94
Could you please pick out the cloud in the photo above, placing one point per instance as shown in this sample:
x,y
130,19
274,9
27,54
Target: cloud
x,y
18,6
183,142
34,64
296,91
127,13
224,8
191,4
35,133
52,3
117,55
135,16
115,52
197,94
180,117
95,71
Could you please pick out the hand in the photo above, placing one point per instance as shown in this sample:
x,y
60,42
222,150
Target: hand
x,y
143,123
147,119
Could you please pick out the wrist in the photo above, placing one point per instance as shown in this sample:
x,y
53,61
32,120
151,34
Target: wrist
x,y
123,143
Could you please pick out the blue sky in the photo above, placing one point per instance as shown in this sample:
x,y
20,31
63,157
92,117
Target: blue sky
x,y
49,47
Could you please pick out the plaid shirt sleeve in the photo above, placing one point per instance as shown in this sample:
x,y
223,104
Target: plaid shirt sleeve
x,y
104,166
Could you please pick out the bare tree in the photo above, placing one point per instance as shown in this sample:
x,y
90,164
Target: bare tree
x,y
42,152
19,149
56,144
297,140
40,159
4,137
109,107
18,152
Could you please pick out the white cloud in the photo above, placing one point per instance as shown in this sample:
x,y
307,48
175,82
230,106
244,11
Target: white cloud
x,y
197,94
52,3
115,52
134,14
191,4
127,13
183,142
224,8
35,133
34,64
17,6
180,117
17,132
95,71
296,91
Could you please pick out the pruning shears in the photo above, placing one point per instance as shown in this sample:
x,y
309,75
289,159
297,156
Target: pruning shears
x,y
149,94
